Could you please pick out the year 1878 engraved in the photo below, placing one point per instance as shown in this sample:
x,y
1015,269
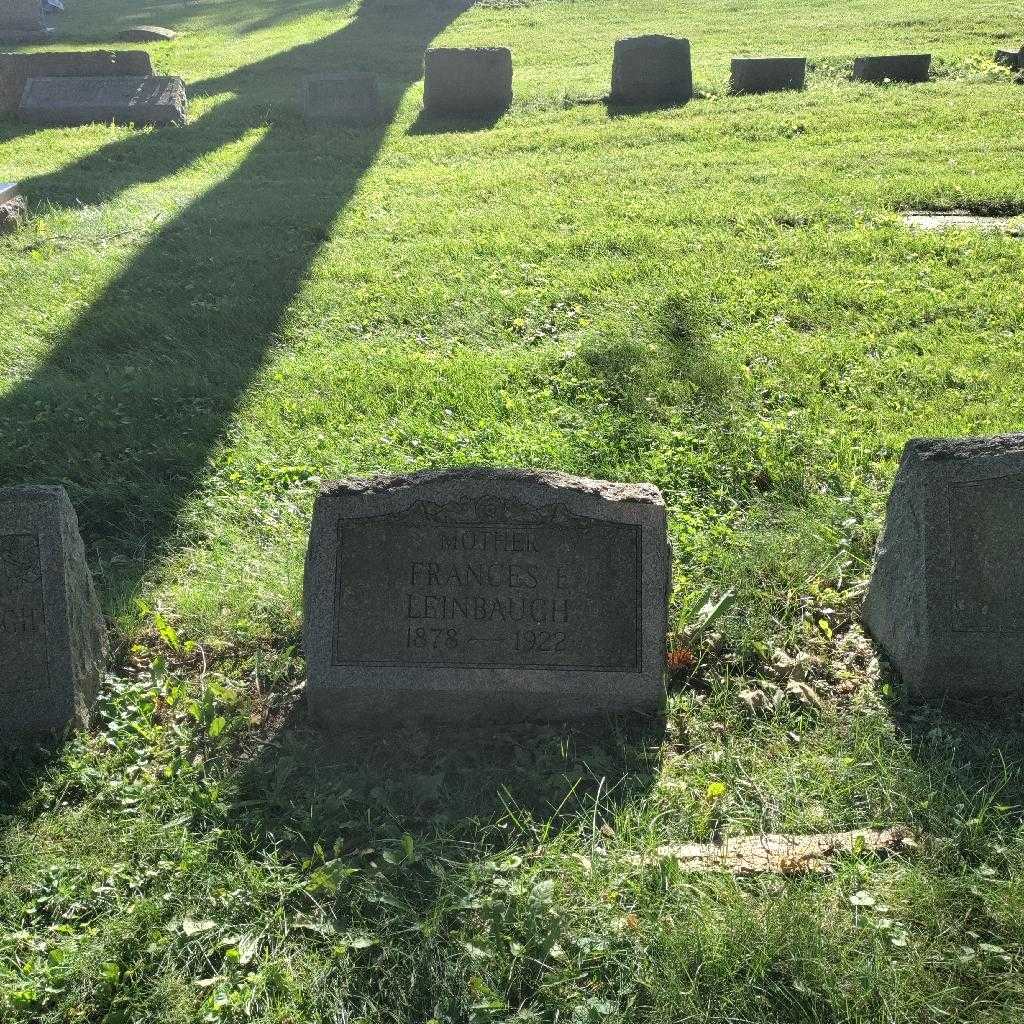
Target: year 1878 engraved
x,y
561,594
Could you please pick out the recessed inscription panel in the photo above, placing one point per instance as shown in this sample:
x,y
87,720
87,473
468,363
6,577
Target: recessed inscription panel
x,y
986,531
23,655
562,593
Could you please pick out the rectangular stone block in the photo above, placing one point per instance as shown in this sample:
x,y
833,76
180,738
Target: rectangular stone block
x,y
475,80
480,594
52,636
17,68
22,21
906,67
651,70
754,75
1010,58
347,99
946,600
66,102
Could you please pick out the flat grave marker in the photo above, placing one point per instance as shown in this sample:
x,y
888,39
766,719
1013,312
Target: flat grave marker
x,y
480,593
52,635
946,600
66,102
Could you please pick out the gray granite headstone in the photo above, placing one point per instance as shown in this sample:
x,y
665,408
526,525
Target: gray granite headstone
x,y
470,81
1011,58
754,75
651,70
946,601
352,98
22,21
17,68
52,636
66,102
485,594
905,67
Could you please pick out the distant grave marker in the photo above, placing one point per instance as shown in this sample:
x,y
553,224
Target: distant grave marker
x,y
22,21
466,82
946,600
753,75
651,70
147,34
52,635
17,68
906,68
352,98
12,206
484,593
67,102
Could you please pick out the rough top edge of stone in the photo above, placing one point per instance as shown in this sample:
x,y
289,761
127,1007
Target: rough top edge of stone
x,y
470,49
646,494
35,492
653,37
942,449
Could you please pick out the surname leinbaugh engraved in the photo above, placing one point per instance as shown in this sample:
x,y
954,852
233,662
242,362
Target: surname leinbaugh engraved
x,y
986,519
23,660
486,584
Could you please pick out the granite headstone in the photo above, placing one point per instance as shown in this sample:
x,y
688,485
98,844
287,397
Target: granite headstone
x,y
17,68
52,635
651,70
754,75
65,102
946,600
351,98
906,68
467,81
485,593
22,21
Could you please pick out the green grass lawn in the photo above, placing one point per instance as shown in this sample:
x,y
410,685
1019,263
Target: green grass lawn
x,y
199,325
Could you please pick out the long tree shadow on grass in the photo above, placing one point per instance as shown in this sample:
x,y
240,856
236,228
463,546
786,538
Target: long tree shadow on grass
x,y
129,404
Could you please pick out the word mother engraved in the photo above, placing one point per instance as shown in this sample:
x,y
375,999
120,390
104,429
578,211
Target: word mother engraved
x,y
477,592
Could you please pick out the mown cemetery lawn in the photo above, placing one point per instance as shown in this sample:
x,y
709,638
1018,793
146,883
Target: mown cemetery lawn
x,y
199,325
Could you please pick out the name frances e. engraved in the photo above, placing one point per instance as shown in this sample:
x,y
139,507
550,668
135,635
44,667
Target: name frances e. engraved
x,y
546,590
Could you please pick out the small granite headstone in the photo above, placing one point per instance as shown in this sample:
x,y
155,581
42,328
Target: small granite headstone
x,y
17,68
22,21
754,75
471,81
352,98
485,593
651,70
147,34
907,68
52,635
66,102
946,600
1011,58
12,207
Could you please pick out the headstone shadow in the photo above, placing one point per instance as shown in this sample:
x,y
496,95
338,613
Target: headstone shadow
x,y
435,124
346,789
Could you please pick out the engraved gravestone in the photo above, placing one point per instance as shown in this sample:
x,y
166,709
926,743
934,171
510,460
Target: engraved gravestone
x,y
467,81
902,67
52,636
153,100
946,601
485,593
651,70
